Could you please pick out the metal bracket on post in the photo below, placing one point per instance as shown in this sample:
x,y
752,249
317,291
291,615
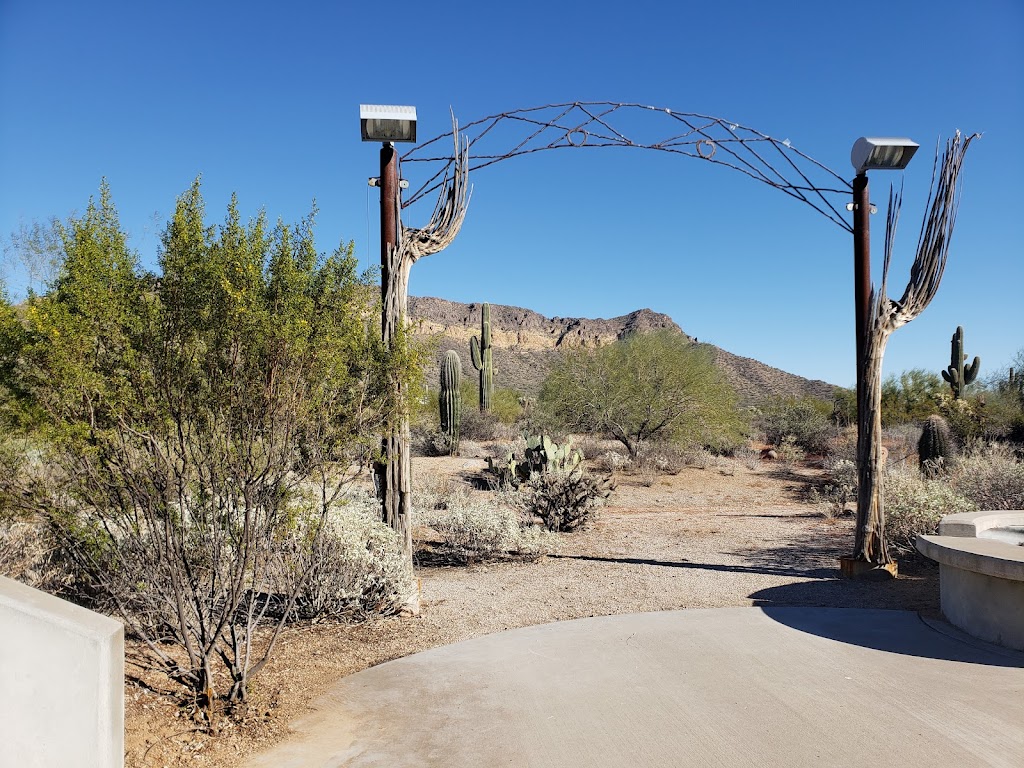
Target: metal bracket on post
x,y
373,181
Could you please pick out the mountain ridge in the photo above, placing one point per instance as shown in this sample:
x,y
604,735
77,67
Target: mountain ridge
x,y
526,344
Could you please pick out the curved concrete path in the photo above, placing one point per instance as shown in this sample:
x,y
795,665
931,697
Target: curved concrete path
x,y
702,687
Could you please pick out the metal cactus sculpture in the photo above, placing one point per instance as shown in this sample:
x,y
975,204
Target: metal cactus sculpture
x,y
480,351
957,374
450,400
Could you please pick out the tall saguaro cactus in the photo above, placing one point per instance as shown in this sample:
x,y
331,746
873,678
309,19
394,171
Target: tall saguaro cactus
x,y
450,400
957,374
480,351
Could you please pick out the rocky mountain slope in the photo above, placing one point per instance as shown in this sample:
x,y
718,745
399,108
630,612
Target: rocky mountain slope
x,y
526,344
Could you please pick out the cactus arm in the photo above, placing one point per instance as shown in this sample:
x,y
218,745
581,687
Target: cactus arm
x,y
474,353
971,371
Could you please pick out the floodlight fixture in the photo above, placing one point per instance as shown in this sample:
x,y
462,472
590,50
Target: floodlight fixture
x,y
381,122
885,153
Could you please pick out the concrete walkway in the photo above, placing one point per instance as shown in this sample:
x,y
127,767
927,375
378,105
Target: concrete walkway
x,y
716,687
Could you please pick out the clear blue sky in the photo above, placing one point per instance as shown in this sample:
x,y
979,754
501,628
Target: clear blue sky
x,y
262,99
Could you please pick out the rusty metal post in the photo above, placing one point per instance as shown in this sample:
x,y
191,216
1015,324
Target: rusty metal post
x,y
393,472
861,277
388,208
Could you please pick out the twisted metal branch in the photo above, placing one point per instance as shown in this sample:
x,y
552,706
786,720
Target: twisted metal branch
x,y
593,124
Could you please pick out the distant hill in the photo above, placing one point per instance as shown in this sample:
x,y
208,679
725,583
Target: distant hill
x,y
526,345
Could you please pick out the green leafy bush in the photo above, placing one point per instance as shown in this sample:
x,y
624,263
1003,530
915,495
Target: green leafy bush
x,y
911,397
805,419
191,422
649,386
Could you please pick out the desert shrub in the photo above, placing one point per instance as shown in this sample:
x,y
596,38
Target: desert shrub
x,y
592,448
840,489
844,407
612,461
699,457
901,442
437,442
805,419
565,501
748,456
843,445
477,529
789,451
991,475
480,427
664,458
914,505
355,565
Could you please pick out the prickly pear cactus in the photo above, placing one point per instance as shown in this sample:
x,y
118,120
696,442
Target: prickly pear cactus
x,y
542,456
957,374
480,351
450,400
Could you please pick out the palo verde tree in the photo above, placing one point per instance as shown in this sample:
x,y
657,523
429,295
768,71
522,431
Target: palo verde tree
x,y
649,386
198,426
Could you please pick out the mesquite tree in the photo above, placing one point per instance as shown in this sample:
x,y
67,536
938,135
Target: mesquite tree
x,y
886,315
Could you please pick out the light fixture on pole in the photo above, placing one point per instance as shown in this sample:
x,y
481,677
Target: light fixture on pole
x,y
382,122
868,154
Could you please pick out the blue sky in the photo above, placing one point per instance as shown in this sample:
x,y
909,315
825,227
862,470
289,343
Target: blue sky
x,y
262,99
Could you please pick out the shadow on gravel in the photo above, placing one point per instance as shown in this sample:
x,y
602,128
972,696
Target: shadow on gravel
x,y
794,570
902,632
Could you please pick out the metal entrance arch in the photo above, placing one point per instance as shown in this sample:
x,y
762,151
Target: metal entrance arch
x,y
579,125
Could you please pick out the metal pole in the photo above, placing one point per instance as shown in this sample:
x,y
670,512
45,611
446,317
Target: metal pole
x,y
385,469
388,208
861,281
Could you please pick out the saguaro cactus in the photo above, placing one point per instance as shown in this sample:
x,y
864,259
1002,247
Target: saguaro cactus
x,y
450,400
480,351
957,374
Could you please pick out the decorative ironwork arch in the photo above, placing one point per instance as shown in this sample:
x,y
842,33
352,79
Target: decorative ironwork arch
x,y
589,124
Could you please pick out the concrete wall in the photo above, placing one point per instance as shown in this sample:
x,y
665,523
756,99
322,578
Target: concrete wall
x,y
984,606
61,682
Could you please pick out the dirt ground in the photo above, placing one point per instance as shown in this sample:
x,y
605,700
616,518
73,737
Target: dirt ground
x,y
727,535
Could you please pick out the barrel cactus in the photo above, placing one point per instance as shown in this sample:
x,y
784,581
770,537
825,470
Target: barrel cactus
x,y
450,400
957,374
935,447
480,351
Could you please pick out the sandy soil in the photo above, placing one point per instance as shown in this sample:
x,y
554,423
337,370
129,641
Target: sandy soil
x,y
727,535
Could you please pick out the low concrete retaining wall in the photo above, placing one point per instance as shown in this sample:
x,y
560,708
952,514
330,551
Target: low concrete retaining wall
x,y
981,580
61,682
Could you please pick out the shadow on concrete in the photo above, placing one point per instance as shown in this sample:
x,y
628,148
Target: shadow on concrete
x,y
896,631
